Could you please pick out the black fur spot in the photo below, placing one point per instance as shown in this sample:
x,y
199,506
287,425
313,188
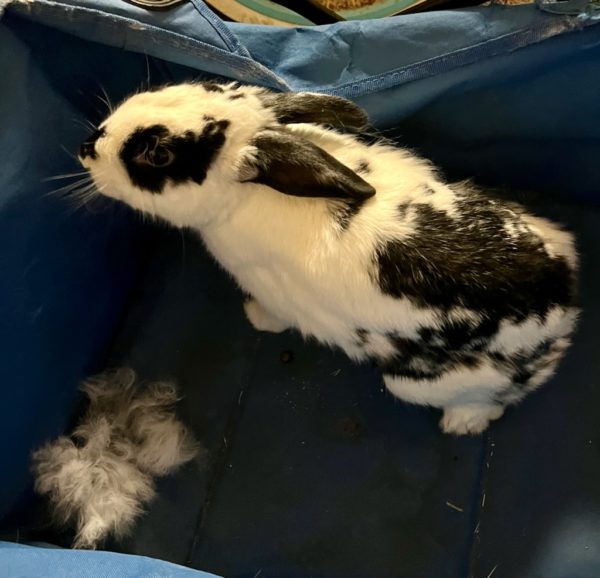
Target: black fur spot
x,y
498,357
212,87
344,211
192,155
362,336
524,365
522,376
455,335
402,209
88,148
472,262
415,359
236,96
363,168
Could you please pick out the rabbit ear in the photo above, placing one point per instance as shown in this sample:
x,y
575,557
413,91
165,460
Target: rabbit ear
x,y
316,108
295,166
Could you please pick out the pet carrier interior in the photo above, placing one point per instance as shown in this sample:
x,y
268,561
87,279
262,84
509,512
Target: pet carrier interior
x,y
311,468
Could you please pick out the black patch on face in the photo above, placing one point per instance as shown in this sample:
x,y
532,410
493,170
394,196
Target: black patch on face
x,y
363,168
236,96
472,262
88,148
153,156
344,211
212,87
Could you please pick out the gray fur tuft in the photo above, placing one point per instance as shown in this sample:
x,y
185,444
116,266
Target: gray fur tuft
x,y
99,478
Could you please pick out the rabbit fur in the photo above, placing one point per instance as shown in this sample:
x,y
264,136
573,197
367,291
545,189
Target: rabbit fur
x,y
465,301
99,478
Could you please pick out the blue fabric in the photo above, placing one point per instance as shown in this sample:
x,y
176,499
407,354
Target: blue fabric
x,y
66,273
506,95
189,34
20,561
356,58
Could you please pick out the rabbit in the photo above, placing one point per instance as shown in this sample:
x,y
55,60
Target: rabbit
x,y
465,301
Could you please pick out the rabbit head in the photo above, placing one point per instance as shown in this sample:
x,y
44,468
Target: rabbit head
x,y
187,153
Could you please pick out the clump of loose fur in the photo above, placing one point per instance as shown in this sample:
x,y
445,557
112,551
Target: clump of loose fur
x,y
99,477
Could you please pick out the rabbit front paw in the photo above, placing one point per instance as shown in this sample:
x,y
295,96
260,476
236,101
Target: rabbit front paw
x,y
261,319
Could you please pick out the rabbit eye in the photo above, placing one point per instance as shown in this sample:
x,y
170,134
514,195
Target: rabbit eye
x,y
154,153
160,156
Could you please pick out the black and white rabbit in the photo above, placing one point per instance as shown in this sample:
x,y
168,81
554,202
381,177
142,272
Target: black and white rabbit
x,y
465,301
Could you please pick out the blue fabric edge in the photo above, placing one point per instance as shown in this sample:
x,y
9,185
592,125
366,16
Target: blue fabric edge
x,y
249,70
33,561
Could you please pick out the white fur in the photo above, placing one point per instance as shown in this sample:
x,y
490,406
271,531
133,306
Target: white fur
x,y
301,269
469,418
261,319
459,387
100,478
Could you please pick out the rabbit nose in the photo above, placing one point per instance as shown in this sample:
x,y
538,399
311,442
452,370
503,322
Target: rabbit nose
x,y
88,148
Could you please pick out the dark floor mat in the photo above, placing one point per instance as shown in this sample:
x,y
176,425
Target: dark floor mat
x,y
541,512
313,470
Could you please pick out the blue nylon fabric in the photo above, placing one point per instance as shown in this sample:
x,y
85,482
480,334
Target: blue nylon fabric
x,y
397,68
189,34
21,561
66,273
495,93
395,51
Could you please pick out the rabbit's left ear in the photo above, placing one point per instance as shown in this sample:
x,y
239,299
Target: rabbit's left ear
x,y
295,166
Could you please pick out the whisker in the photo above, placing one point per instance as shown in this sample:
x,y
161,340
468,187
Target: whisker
x,y
66,176
77,204
106,99
69,152
85,123
80,200
103,101
69,188
83,197
78,196
147,72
